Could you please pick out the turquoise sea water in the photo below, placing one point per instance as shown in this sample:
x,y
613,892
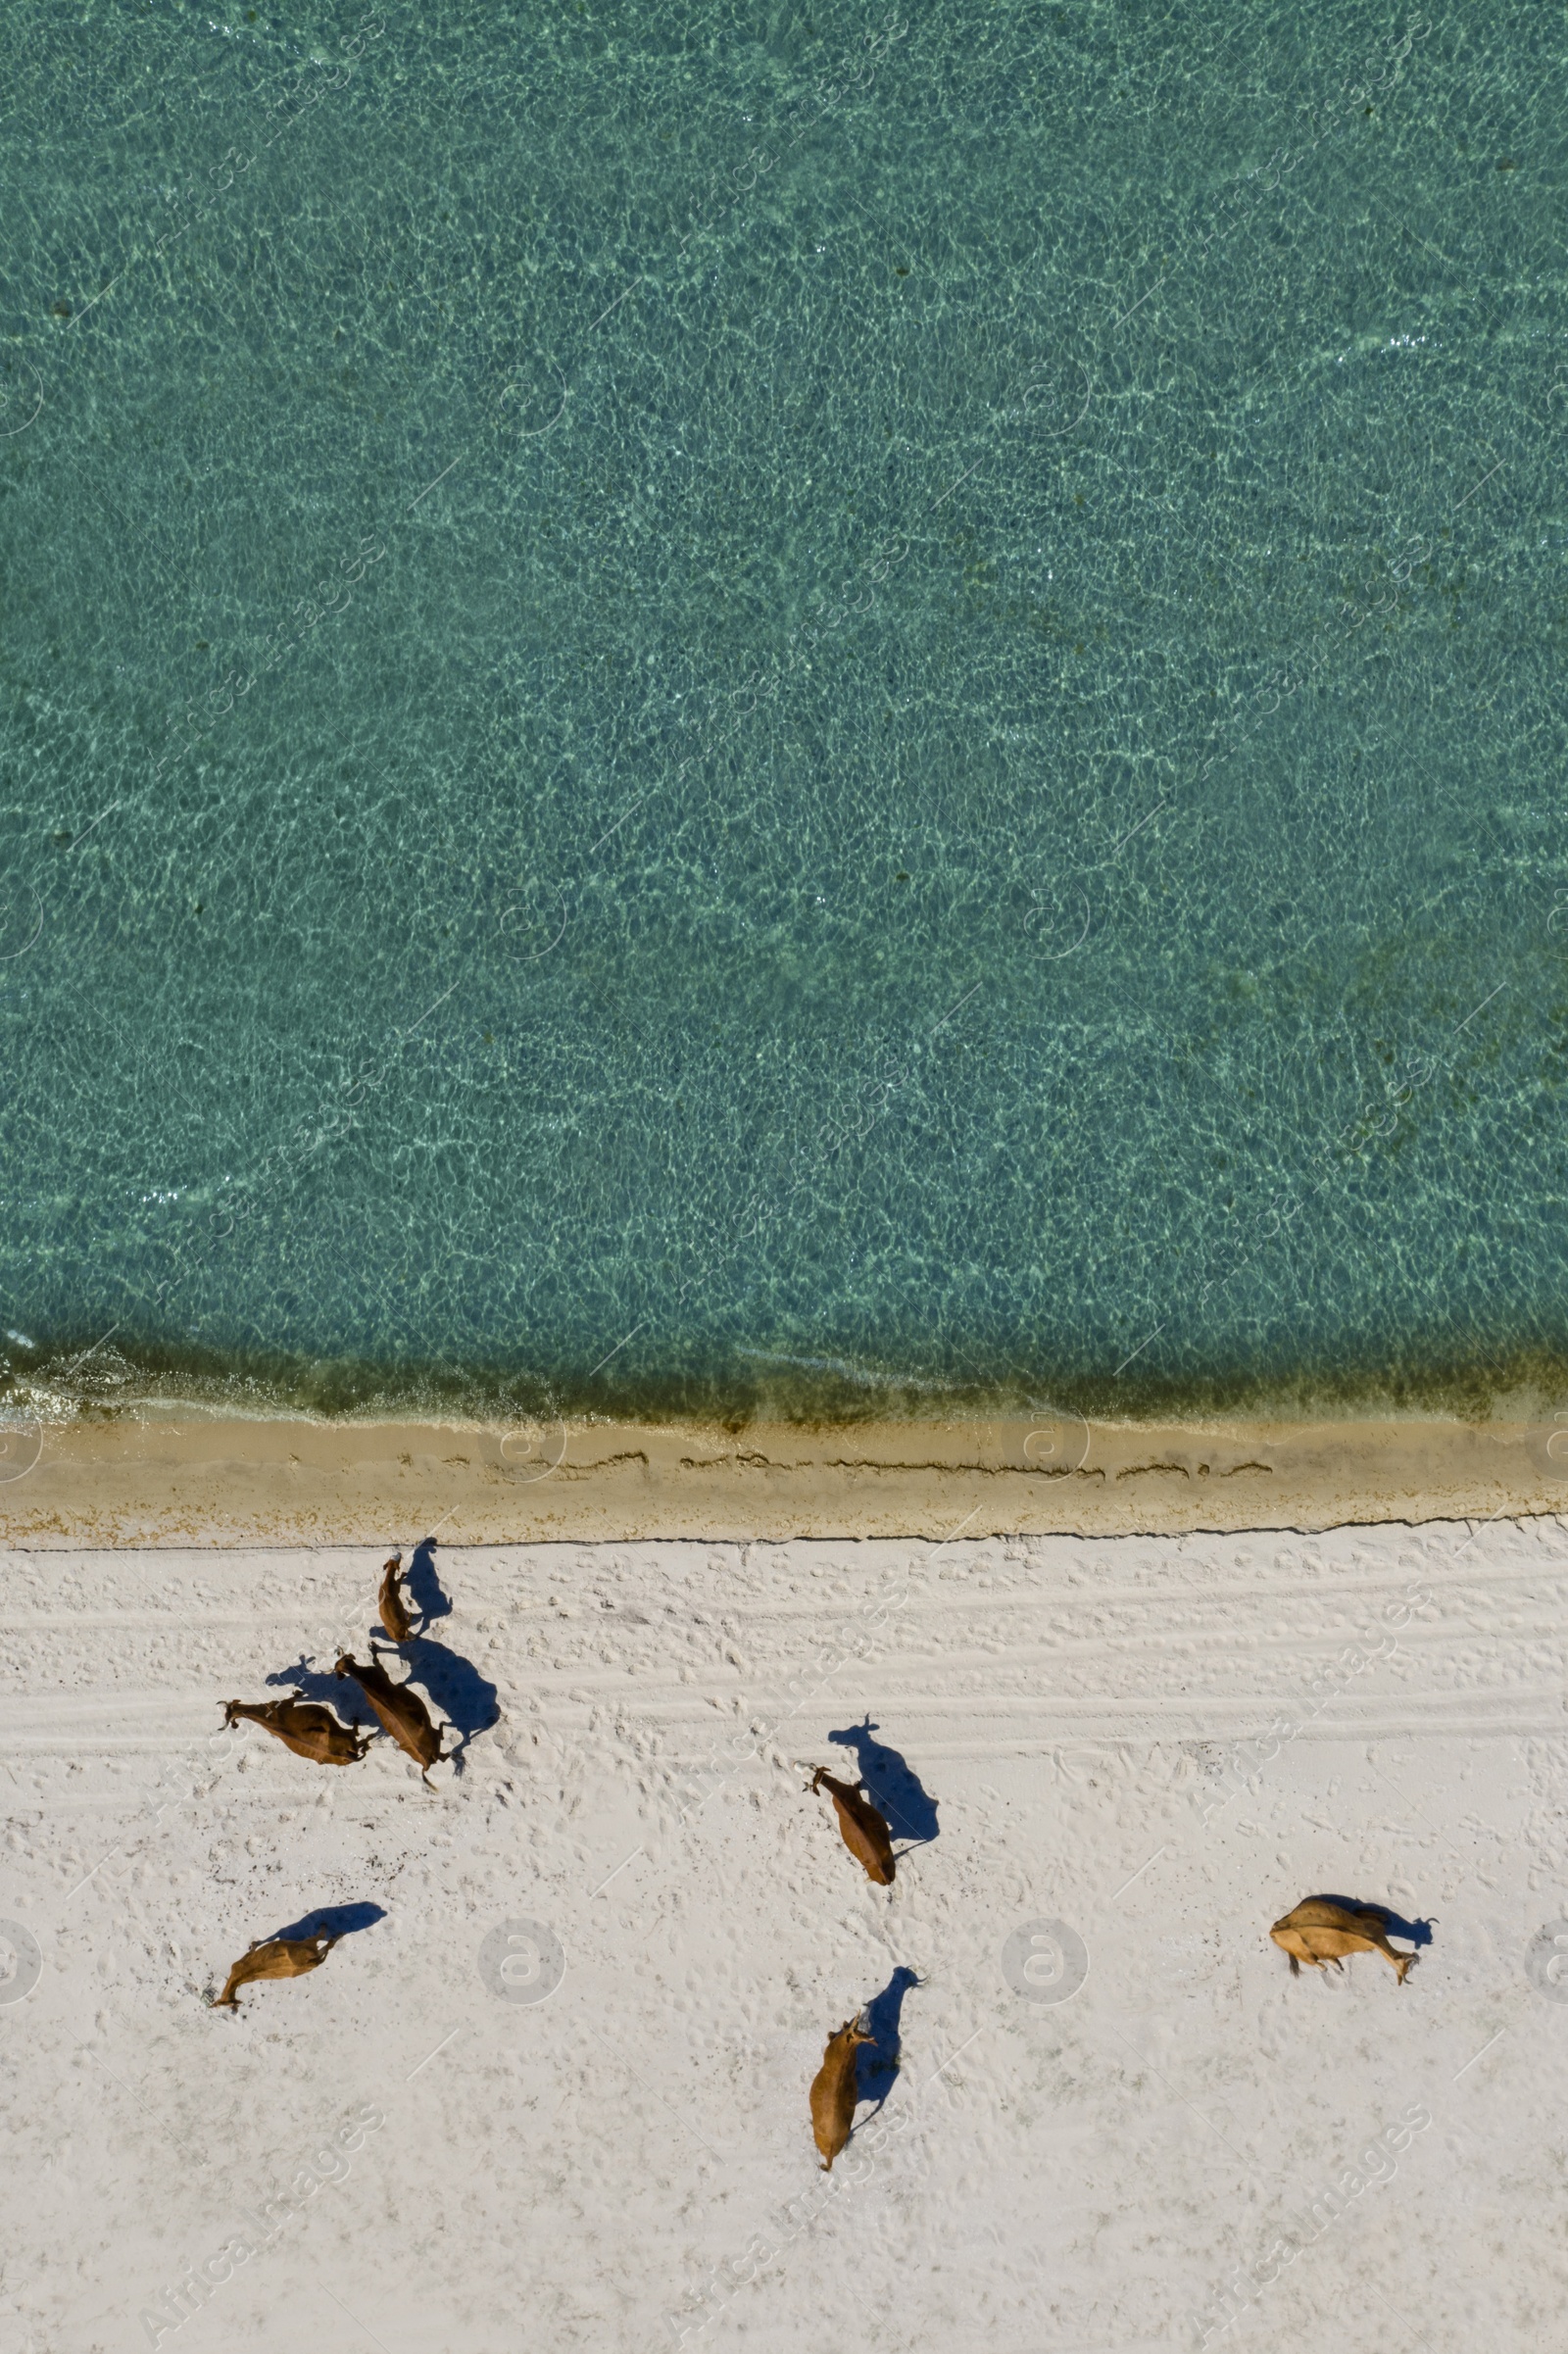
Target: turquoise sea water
x,y
745,709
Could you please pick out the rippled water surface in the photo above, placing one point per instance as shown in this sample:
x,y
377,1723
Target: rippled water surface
x,y
727,708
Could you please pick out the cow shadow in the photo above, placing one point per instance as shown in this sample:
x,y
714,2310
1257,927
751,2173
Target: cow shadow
x,y
876,2064
320,1684
467,1700
423,1587
1395,1925
893,1787
335,1921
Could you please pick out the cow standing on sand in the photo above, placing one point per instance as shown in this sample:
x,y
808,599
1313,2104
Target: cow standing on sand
x,y
389,1608
865,1834
835,2090
402,1712
1320,1931
275,1957
303,1726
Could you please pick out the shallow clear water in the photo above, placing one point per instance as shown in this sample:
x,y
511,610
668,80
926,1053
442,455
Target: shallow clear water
x,y
736,709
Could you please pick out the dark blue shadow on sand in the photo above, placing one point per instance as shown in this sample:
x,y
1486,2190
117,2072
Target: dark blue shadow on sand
x,y
456,1689
893,1787
333,1921
313,1682
423,1587
876,2064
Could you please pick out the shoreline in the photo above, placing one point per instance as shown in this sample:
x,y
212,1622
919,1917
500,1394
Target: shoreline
x,y
173,1478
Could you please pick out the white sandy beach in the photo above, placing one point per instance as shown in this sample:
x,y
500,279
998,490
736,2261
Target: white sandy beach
x,y
404,2151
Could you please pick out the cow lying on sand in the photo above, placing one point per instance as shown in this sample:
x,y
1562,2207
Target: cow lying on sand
x,y
303,1726
403,1713
865,1834
276,1957
834,2091
1320,1931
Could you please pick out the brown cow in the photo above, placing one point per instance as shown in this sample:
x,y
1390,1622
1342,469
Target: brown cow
x,y
304,1727
402,1712
389,1602
276,1957
1319,1932
865,1834
834,2091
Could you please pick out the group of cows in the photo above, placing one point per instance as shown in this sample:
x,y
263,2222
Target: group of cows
x,y
1318,1932
311,1731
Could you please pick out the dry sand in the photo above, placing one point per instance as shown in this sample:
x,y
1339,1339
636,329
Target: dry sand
x,y
163,1479
1160,1742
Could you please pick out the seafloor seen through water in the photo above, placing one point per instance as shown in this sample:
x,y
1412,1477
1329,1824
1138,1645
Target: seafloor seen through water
x,y
740,710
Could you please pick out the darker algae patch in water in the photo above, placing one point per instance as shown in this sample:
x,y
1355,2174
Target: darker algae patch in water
x,y
1510,1381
